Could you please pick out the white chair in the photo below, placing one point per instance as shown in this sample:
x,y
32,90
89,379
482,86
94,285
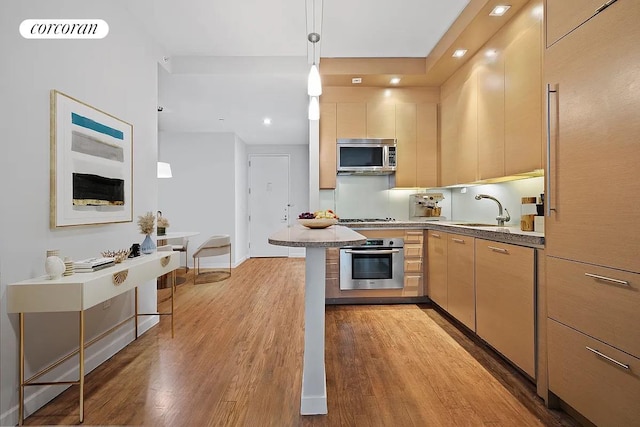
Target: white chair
x,y
182,247
215,245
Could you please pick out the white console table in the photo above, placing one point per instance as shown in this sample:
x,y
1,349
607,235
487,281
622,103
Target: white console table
x,y
80,292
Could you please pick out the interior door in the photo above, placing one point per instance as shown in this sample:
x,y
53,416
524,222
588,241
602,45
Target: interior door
x,y
268,203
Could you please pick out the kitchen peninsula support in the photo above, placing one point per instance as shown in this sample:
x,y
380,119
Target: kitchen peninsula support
x,y
313,399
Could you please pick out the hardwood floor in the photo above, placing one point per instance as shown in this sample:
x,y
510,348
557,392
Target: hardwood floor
x,y
236,360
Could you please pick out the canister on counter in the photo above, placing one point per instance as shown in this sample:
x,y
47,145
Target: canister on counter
x,y
528,212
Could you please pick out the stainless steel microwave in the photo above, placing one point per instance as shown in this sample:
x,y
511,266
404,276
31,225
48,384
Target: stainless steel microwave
x,y
366,156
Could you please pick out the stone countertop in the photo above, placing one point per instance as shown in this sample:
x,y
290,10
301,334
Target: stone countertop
x,y
508,234
300,236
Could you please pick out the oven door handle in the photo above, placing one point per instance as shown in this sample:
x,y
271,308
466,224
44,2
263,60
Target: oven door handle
x,y
374,251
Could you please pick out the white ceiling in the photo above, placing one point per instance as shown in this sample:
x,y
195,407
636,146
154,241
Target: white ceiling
x,y
243,60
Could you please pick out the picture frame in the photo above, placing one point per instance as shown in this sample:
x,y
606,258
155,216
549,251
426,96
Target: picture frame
x,y
91,165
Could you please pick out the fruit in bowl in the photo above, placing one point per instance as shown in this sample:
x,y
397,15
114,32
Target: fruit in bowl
x,y
318,219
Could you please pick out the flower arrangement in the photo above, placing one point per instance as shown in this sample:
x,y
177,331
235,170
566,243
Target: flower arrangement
x,y
147,223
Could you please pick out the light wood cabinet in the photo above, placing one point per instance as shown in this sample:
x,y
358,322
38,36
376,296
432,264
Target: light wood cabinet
x,y
381,120
449,136
351,120
595,128
427,145
563,16
600,302
597,380
406,133
437,260
332,272
327,147
467,116
413,263
505,300
491,117
523,102
491,108
461,295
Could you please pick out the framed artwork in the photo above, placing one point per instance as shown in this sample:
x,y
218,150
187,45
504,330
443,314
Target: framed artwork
x,y
91,165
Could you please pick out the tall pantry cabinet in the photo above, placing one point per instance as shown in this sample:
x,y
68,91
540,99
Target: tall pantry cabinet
x,y
592,236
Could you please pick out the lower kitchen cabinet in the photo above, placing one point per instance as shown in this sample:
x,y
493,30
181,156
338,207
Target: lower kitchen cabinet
x,y
461,296
505,300
332,273
436,287
595,379
413,267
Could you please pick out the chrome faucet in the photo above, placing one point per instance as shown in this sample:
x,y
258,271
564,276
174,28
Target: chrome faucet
x,y
500,218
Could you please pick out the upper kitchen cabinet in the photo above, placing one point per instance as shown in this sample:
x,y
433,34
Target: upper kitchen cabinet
x,y
523,100
327,154
491,108
467,116
406,120
594,125
381,120
449,134
351,120
491,116
426,145
563,16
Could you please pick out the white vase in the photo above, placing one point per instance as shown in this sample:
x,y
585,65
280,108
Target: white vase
x,y
54,267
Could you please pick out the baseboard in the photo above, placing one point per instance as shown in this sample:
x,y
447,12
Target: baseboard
x,y
101,351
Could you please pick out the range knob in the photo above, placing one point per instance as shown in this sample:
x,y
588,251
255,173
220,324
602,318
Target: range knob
x,y
390,242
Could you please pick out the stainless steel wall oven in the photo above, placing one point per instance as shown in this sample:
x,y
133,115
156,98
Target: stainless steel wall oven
x,y
378,264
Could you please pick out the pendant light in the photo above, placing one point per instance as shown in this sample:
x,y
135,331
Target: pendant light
x,y
314,84
314,108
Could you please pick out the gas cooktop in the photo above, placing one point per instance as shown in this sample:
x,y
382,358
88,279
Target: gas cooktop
x,y
366,220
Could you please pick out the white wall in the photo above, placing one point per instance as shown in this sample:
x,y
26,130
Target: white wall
x,y
117,75
201,195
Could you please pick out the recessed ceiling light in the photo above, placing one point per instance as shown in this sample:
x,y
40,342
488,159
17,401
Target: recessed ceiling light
x,y
395,80
491,53
499,10
266,121
356,80
459,53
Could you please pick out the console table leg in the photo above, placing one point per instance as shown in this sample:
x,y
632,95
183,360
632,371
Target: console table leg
x,y
81,367
21,391
135,305
173,289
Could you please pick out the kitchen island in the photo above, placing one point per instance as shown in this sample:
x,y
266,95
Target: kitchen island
x,y
313,400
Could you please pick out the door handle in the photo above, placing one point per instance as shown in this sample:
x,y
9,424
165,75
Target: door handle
x,y
548,148
377,252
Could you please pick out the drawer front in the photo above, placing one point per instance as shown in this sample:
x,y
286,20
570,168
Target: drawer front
x,y
413,265
604,392
596,301
412,285
414,237
412,250
332,269
333,254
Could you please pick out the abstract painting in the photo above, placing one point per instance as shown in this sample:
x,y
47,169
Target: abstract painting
x,y
91,165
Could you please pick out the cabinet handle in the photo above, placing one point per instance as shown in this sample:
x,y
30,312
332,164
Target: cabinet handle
x,y
501,250
606,5
608,279
610,359
374,251
457,240
548,150
437,236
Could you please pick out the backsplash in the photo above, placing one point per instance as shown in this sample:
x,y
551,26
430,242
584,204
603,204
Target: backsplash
x,y
370,197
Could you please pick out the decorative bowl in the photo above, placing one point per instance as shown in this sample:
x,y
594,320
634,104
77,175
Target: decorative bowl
x,y
318,222
118,256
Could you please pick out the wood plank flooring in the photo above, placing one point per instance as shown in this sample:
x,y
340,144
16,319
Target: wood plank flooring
x,y
236,360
